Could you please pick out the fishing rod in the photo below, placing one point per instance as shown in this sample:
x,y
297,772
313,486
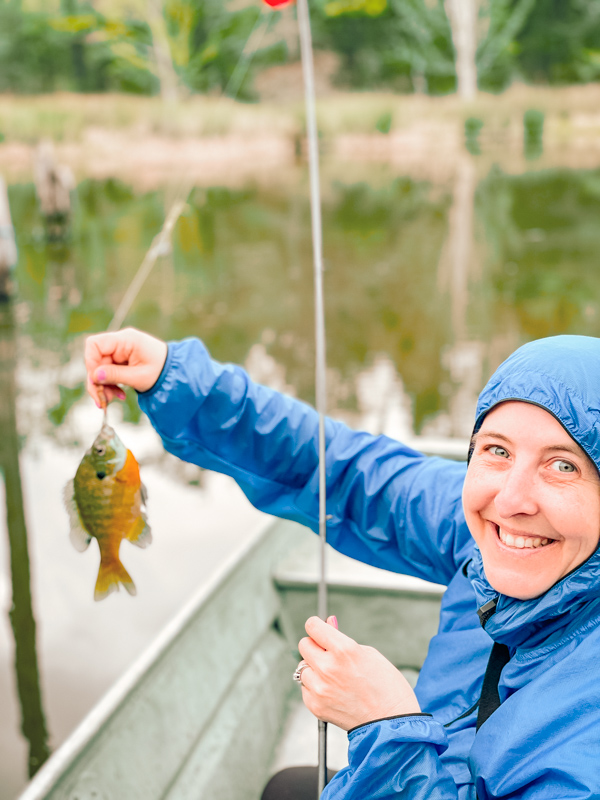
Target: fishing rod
x,y
306,53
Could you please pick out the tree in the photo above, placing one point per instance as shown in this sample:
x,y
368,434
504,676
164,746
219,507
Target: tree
x,y
159,55
402,44
463,21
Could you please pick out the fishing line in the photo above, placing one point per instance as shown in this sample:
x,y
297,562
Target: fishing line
x,y
159,246
306,52
161,242
243,64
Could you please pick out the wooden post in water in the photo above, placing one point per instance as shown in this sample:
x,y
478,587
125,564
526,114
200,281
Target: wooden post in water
x,y
8,247
33,722
53,185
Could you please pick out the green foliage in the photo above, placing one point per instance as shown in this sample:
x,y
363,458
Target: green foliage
x,y
33,56
560,42
68,397
44,52
384,123
496,53
402,44
217,40
473,126
540,41
533,133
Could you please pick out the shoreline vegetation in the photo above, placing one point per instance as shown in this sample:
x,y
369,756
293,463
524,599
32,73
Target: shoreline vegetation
x,y
149,142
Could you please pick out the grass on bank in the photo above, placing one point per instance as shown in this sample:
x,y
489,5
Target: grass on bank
x,y
66,117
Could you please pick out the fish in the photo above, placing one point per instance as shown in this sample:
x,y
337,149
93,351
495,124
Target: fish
x,y
106,501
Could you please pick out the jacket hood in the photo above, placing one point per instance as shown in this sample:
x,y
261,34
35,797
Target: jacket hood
x,y
562,375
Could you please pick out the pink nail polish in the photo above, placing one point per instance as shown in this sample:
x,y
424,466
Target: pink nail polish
x,y
101,375
333,621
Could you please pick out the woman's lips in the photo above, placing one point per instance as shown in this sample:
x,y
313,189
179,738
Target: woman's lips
x,y
518,541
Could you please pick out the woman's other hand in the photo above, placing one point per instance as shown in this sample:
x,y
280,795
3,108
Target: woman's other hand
x,y
349,684
128,357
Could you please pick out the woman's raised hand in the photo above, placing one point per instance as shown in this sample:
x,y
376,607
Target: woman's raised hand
x,y
128,357
349,684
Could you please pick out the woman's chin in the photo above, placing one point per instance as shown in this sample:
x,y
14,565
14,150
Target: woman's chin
x,y
513,583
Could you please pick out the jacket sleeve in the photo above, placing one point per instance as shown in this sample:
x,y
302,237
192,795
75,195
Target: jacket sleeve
x,y
393,759
390,506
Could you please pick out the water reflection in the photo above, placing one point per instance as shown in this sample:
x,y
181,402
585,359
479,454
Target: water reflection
x,y
33,721
241,264
443,280
542,239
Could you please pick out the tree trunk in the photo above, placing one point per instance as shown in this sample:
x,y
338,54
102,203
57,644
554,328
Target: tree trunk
x,y
8,247
463,18
169,81
33,720
464,359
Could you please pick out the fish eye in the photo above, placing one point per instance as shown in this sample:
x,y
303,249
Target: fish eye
x,y
100,450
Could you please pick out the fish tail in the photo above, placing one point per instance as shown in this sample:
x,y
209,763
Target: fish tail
x,y
110,575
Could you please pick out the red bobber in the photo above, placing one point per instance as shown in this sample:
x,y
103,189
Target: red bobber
x,y
276,3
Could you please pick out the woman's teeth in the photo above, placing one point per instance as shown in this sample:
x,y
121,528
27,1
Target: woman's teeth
x,y
521,542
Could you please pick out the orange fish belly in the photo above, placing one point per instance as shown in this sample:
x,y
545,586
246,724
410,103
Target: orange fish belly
x,y
111,507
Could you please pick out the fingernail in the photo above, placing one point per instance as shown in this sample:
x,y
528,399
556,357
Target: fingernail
x,y
101,375
333,621
98,404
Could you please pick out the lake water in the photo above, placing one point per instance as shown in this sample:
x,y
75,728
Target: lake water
x,y
428,287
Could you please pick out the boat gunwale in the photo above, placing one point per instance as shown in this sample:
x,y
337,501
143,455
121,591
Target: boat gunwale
x,y
306,585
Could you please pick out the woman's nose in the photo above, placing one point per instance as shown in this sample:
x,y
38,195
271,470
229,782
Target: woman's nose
x,y
516,493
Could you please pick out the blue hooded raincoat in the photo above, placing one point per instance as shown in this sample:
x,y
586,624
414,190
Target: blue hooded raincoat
x,y
397,509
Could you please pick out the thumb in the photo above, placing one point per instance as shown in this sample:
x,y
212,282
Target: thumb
x,y
325,634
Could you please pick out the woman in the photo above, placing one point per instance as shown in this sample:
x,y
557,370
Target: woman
x,y
514,537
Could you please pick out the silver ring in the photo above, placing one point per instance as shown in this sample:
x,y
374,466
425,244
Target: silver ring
x,y
297,676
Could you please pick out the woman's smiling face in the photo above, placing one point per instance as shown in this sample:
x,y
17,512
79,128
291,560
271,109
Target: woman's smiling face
x,y
531,499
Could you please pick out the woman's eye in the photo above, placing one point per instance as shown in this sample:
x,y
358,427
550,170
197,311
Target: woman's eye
x,y
496,450
563,466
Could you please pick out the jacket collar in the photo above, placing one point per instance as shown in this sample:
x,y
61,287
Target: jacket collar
x,y
532,622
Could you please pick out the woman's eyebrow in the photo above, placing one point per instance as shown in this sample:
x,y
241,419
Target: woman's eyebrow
x,y
491,434
570,448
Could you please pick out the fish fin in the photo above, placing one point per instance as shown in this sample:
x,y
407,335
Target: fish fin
x,y
110,575
140,533
144,494
78,535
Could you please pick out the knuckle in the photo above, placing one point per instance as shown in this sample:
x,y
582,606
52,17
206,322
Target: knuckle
x,y
347,647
